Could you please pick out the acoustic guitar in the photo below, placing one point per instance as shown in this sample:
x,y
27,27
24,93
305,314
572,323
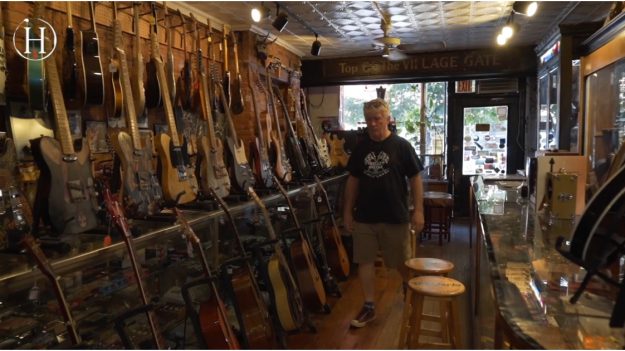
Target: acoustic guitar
x,y
35,70
286,297
241,171
216,330
66,189
44,266
310,283
93,79
138,89
213,172
322,144
336,255
70,64
141,193
153,88
117,103
256,323
116,213
282,164
258,148
177,177
237,106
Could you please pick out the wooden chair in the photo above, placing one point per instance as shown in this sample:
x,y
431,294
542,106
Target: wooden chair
x,y
437,208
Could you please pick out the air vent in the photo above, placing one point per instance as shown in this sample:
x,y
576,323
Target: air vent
x,y
499,85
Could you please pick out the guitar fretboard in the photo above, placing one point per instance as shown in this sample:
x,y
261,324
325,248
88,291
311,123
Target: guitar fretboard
x,y
63,132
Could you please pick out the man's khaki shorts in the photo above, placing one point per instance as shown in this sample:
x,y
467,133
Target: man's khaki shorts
x,y
392,239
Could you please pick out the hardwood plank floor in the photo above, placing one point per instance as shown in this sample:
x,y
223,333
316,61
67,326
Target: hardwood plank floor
x,y
333,329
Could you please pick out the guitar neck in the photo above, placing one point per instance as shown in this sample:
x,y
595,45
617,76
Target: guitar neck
x,y
162,78
64,134
129,104
139,90
306,115
207,113
326,200
259,126
270,230
233,131
274,110
289,204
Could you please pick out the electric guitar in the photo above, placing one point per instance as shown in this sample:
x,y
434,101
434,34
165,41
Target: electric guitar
x,y
141,193
169,65
184,79
322,144
3,62
256,323
310,283
285,295
70,65
237,106
177,178
114,67
213,314
307,143
35,70
44,266
338,156
258,147
282,164
93,78
336,255
114,210
154,85
241,172
66,184
226,83
213,172
138,69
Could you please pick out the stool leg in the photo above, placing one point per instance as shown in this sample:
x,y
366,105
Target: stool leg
x,y
498,342
443,307
454,315
415,322
405,320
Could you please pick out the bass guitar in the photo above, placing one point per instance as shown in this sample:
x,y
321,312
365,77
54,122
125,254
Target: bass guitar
x,y
336,254
114,210
177,178
310,283
241,172
66,189
35,69
308,146
282,164
70,64
213,172
286,297
44,266
138,69
256,323
93,79
216,330
153,89
322,144
259,153
237,106
141,193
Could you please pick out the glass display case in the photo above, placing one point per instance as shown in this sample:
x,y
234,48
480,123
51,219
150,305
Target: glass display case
x,y
548,100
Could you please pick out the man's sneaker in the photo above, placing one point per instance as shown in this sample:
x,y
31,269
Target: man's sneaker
x,y
366,315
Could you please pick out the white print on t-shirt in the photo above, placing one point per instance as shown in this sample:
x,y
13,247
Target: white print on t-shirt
x,y
376,165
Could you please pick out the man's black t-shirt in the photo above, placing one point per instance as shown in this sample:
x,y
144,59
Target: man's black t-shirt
x,y
382,168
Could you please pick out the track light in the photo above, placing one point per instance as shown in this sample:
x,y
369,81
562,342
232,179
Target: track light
x,y
316,46
281,19
501,39
527,8
259,13
508,30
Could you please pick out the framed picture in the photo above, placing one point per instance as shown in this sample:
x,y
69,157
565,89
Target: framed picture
x,y
75,123
96,135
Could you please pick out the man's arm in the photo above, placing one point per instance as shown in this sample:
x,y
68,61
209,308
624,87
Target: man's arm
x,y
416,189
351,192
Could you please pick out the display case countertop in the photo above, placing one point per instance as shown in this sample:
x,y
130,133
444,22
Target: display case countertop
x,y
533,282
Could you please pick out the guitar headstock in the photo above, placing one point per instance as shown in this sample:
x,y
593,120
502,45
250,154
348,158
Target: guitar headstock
x,y
117,30
115,211
187,231
154,45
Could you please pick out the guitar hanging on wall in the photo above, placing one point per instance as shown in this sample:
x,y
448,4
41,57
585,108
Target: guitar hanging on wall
x,y
93,79
237,106
70,64
35,69
259,151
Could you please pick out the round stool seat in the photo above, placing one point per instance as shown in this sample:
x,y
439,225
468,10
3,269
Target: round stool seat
x,y
429,266
438,198
436,286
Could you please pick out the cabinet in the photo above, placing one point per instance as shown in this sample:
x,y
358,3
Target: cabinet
x,y
98,281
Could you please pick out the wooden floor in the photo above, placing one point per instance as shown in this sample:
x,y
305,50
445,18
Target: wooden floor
x,y
333,330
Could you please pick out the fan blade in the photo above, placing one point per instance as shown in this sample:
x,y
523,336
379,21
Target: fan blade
x,y
396,55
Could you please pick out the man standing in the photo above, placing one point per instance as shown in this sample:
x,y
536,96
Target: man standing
x,y
376,202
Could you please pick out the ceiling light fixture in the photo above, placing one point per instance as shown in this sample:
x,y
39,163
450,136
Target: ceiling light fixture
x,y
281,19
501,39
316,46
259,13
508,29
527,8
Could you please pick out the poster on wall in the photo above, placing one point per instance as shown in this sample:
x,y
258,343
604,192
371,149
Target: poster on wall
x,y
329,124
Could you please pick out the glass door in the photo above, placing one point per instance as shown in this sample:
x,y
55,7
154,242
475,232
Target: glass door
x,y
485,136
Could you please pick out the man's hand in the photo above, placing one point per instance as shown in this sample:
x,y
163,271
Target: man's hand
x,y
417,222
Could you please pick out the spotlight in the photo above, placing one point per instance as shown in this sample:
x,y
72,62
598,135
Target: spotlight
x,y
316,46
527,8
508,30
501,39
281,20
259,13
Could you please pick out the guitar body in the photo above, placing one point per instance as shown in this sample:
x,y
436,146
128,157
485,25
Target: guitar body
x,y
294,152
336,255
71,200
153,87
260,163
338,156
93,78
211,325
118,96
241,171
254,313
310,283
286,300
140,192
281,167
213,171
324,154
174,188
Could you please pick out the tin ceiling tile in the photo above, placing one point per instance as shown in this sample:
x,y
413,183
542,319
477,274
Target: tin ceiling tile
x,y
365,13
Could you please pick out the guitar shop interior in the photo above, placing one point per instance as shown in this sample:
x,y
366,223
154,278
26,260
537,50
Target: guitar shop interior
x,y
192,175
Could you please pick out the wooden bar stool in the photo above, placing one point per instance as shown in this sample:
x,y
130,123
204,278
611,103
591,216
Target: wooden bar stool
x,y
437,209
447,291
419,266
